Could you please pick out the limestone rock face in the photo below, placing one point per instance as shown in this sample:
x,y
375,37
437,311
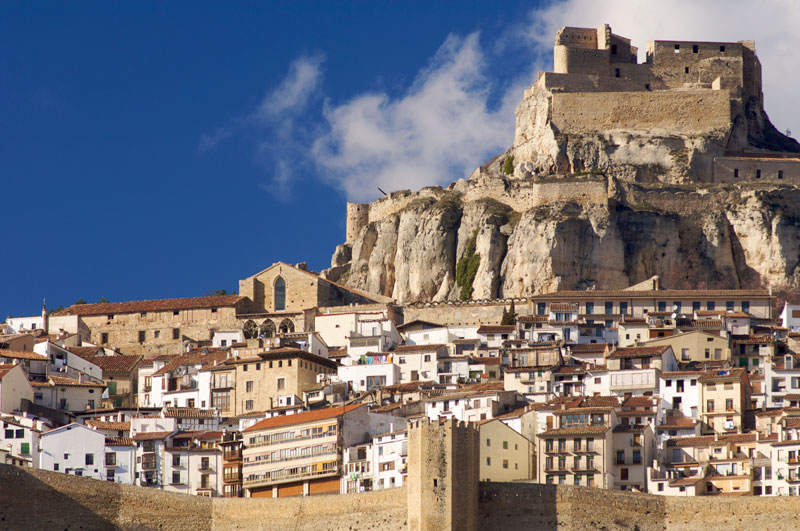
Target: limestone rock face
x,y
734,239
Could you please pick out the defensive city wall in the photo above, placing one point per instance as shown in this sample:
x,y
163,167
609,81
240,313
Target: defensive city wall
x,y
442,493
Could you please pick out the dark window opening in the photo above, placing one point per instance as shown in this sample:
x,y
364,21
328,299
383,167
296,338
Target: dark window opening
x,y
613,49
722,48
780,174
695,48
677,48
758,174
686,70
616,72
736,172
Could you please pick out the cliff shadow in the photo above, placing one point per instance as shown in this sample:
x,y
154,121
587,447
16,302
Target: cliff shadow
x,y
27,502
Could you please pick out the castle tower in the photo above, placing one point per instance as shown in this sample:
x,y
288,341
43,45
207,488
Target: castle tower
x,y
357,219
442,476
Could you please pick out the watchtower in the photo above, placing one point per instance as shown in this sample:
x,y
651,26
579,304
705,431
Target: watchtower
x,y
443,478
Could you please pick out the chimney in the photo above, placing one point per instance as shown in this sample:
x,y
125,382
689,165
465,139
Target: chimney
x,y
44,316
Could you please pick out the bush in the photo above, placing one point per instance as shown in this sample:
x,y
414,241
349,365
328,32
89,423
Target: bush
x,y
508,165
467,268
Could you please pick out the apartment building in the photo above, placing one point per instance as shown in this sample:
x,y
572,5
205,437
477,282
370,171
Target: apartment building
x,y
635,370
419,362
301,454
67,394
231,444
14,387
578,450
505,454
193,463
81,451
724,398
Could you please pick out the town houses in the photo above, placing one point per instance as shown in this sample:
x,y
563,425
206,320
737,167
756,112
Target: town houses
x,y
300,386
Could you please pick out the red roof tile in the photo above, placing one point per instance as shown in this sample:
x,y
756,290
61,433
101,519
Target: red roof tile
x,y
22,355
638,352
152,305
300,418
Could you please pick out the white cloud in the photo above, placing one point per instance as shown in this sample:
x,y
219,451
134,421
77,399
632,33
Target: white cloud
x,y
295,90
435,133
771,23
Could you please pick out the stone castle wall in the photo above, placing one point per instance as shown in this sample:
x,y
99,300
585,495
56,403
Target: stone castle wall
x,y
34,499
680,111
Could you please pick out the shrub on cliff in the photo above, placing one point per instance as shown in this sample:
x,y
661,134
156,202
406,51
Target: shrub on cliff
x,y
508,165
467,268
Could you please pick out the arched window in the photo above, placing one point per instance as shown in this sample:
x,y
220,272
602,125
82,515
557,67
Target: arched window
x,y
286,326
267,329
250,329
280,294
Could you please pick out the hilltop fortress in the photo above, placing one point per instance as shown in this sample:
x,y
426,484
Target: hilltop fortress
x,y
683,134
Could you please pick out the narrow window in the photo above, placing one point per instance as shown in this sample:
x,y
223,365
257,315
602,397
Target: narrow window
x,y
758,174
616,72
677,48
736,172
695,48
280,294
686,70
613,49
722,48
780,174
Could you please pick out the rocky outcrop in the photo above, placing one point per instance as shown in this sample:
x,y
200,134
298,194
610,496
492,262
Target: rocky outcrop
x,y
729,237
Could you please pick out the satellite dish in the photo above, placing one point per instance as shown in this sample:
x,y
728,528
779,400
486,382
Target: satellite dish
x,y
674,307
673,316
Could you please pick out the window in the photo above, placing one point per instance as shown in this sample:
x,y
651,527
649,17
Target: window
x,y
620,457
176,460
488,461
677,48
710,406
758,174
141,336
609,307
637,457
662,306
623,308
55,467
176,333
722,48
281,384
427,357
248,386
695,306
157,333
613,49
89,459
280,294
505,463
589,308
505,445
623,474
104,337
176,478
616,72
736,173
746,306
9,434
576,445
729,404
488,442
540,308
679,386
780,174
176,312
710,306
111,459
25,448
248,405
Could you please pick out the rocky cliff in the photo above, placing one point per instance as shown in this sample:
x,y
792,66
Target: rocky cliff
x,y
611,179
714,236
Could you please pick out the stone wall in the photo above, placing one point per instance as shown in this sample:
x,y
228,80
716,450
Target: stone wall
x,y
467,312
685,111
35,499
739,169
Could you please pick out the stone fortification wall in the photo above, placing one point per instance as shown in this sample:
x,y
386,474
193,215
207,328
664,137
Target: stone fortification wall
x,y
466,312
35,499
683,111
357,219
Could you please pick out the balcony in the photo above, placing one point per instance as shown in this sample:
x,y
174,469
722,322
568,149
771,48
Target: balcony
x,y
292,458
232,478
260,482
298,438
206,468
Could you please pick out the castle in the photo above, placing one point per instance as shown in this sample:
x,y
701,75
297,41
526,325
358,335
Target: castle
x,y
690,114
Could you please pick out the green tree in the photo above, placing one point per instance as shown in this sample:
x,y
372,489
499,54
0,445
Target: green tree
x,y
103,300
80,301
510,316
467,268
508,165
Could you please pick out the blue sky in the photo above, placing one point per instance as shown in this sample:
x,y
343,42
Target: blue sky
x,y
169,149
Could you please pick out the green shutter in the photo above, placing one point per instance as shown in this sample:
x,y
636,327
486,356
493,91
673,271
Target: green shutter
x,y
112,388
25,448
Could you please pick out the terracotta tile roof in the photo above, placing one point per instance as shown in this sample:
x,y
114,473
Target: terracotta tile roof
x,y
5,368
589,347
301,418
600,401
791,396
202,357
638,352
405,349
119,441
409,387
118,364
420,322
283,353
487,361
189,413
722,374
682,482
158,305
496,329
634,320
579,430
571,369
791,422
687,442
60,381
583,410
753,340
85,352
680,374
21,355
638,401
650,294
151,435
100,425
677,423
